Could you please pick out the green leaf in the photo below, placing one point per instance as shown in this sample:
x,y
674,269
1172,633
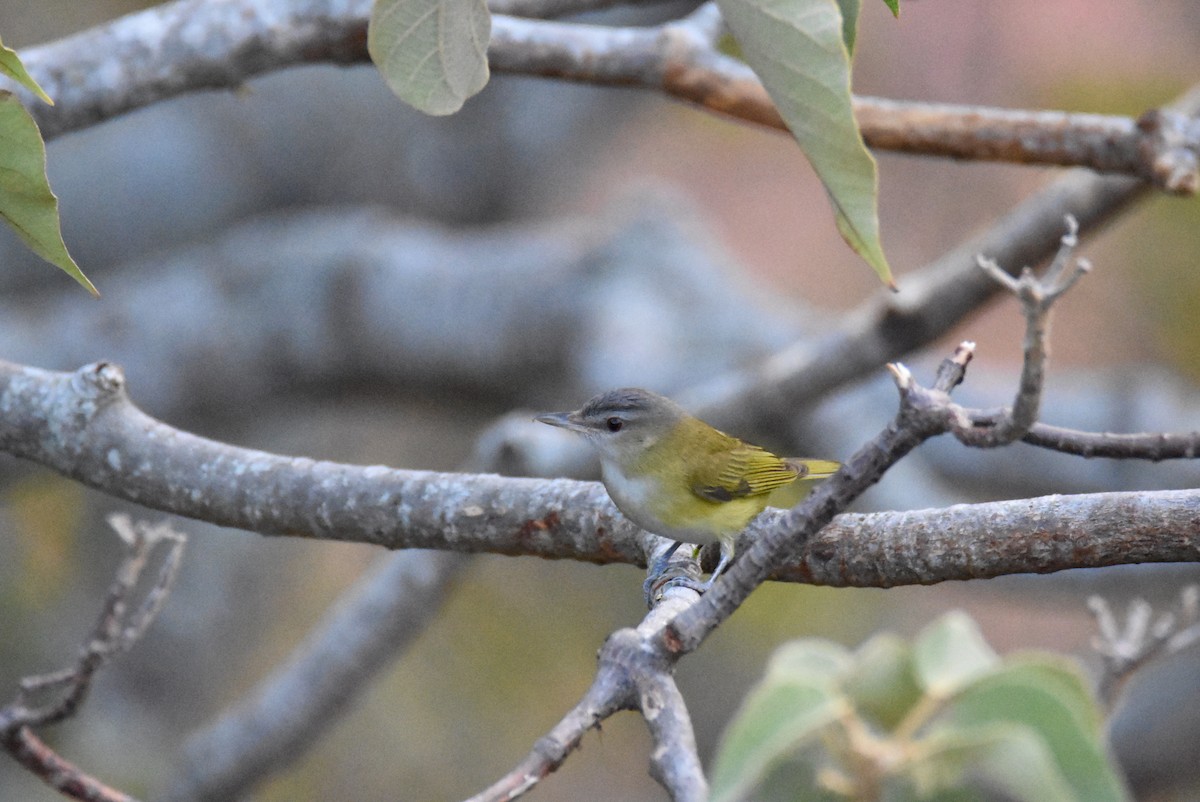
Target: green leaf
x,y
786,710
894,5
1050,699
797,48
1002,759
431,53
849,9
10,65
26,202
882,682
951,652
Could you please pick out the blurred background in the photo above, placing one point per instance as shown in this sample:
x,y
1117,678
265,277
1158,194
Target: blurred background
x,y
548,242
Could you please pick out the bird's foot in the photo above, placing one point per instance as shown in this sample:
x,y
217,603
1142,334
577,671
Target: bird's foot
x,y
656,586
655,575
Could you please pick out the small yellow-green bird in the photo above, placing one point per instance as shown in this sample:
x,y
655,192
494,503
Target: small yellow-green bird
x,y
674,475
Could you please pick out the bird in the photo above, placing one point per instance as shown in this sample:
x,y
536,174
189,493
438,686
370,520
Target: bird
x,y
676,476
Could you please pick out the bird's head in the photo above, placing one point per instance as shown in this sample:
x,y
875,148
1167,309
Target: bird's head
x,y
622,424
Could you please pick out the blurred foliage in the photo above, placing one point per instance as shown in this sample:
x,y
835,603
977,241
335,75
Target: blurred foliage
x,y
944,718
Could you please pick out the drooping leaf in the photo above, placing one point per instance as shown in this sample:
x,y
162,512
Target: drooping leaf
x,y
431,53
951,652
798,49
26,202
894,5
10,65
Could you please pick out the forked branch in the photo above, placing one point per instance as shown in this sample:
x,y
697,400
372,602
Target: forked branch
x,y
123,619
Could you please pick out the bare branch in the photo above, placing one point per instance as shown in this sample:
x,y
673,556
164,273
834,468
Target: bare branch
x,y
630,675
1154,446
63,776
978,541
1037,296
116,630
675,760
83,425
191,45
1143,637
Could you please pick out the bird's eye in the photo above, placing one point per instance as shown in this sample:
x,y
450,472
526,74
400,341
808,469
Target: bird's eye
x,y
614,424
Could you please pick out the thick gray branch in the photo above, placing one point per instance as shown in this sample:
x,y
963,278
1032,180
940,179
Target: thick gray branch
x,y
83,425
977,541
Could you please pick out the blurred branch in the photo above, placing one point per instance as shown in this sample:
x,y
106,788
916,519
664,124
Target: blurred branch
x,y
301,699
1143,638
191,45
1160,147
117,629
399,303
84,426
369,273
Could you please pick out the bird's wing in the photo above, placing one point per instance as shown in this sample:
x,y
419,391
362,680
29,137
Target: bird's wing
x,y
744,470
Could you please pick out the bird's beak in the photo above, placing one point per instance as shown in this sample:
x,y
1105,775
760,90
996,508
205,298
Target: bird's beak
x,y
563,420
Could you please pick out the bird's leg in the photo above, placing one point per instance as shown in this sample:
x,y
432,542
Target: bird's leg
x,y
656,572
654,594
722,564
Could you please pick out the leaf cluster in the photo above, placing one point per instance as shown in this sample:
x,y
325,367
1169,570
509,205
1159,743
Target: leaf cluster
x,y
941,718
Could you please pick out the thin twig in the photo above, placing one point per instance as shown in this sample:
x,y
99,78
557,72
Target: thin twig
x,y
1037,295
118,627
63,776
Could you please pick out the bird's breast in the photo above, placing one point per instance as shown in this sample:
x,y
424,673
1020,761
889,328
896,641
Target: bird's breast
x,y
672,512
